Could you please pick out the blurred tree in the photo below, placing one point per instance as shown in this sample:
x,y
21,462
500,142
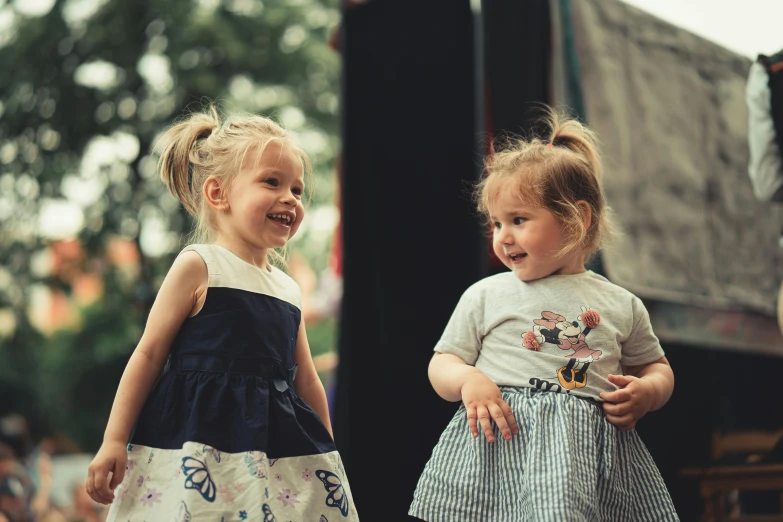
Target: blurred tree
x,y
85,87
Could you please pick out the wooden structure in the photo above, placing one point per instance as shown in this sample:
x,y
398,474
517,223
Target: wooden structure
x,y
722,480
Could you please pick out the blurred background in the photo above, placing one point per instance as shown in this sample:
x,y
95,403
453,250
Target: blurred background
x,y
375,91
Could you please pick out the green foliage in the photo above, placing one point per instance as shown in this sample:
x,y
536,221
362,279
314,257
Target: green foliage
x,y
82,98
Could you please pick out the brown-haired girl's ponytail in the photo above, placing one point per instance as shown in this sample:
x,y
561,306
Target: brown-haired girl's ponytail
x,y
571,134
176,155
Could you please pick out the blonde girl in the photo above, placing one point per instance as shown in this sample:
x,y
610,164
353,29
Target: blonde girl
x,y
237,426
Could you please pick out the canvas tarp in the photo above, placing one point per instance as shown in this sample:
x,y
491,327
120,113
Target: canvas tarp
x,y
669,109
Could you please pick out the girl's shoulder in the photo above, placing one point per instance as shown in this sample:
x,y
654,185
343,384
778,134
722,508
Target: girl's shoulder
x,y
501,279
606,286
189,269
228,270
491,286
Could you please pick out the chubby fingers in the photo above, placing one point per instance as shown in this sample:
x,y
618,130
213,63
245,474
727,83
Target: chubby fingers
x,y
618,409
484,414
620,380
622,422
486,423
472,418
102,486
500,420
617,396
88,485
96,486
118,474
504,419
510,419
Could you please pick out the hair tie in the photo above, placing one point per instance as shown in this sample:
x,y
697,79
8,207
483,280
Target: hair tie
x,y
549,145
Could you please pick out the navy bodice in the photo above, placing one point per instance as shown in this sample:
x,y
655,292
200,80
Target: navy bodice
x,y
229,379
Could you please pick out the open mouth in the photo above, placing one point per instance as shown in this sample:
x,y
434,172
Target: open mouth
x,y
517,258
283,218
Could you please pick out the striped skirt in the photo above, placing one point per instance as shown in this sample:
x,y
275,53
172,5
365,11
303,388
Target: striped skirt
x,y
568,463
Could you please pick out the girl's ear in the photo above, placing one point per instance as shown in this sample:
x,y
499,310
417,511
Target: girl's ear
x,y
586,212
214,194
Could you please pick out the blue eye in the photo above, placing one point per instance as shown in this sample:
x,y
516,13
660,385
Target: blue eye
x,y
271,181
519,220
496,225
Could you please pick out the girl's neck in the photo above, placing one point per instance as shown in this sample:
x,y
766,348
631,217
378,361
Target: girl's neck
x,y
573,265
249,254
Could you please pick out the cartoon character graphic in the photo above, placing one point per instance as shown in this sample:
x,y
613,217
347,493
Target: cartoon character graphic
x,y
555,329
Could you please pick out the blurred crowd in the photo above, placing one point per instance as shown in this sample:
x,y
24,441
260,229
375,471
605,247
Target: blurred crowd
x,y
38,483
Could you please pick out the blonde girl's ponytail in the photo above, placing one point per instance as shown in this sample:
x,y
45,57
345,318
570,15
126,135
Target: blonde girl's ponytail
x,y
177,153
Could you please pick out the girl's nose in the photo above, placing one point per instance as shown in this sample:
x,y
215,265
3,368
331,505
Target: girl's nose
x,y
288,198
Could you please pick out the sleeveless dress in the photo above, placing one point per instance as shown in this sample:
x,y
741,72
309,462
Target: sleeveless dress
x,y
223,436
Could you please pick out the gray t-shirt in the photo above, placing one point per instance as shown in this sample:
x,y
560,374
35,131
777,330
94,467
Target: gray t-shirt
x,y
583,327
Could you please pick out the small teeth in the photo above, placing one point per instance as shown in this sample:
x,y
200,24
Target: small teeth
x,y
285,217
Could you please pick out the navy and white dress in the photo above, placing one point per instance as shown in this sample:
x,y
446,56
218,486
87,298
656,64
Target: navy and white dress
x,y
223,436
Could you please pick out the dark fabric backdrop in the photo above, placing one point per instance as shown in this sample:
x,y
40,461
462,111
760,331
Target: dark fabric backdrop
x,y
412,241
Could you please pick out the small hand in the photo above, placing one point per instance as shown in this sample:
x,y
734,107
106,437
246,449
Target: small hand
x,y
624,407
111,457
484,402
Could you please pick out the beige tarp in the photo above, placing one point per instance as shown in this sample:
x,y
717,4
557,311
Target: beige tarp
x,y
669,108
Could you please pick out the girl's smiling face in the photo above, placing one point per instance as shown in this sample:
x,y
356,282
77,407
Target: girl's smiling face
x,y
264,202
527,239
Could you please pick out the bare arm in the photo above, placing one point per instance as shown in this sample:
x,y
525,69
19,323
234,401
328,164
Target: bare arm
x,y
176,298
307,384
448,373
660,376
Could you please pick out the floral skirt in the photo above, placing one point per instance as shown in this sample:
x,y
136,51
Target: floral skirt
x,y
200,483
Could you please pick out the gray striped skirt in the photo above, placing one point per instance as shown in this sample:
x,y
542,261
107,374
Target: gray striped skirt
x,y
568,463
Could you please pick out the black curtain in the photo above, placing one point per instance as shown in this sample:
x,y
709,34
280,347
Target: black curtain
x,y
413,107
516,50
517,41
412,243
